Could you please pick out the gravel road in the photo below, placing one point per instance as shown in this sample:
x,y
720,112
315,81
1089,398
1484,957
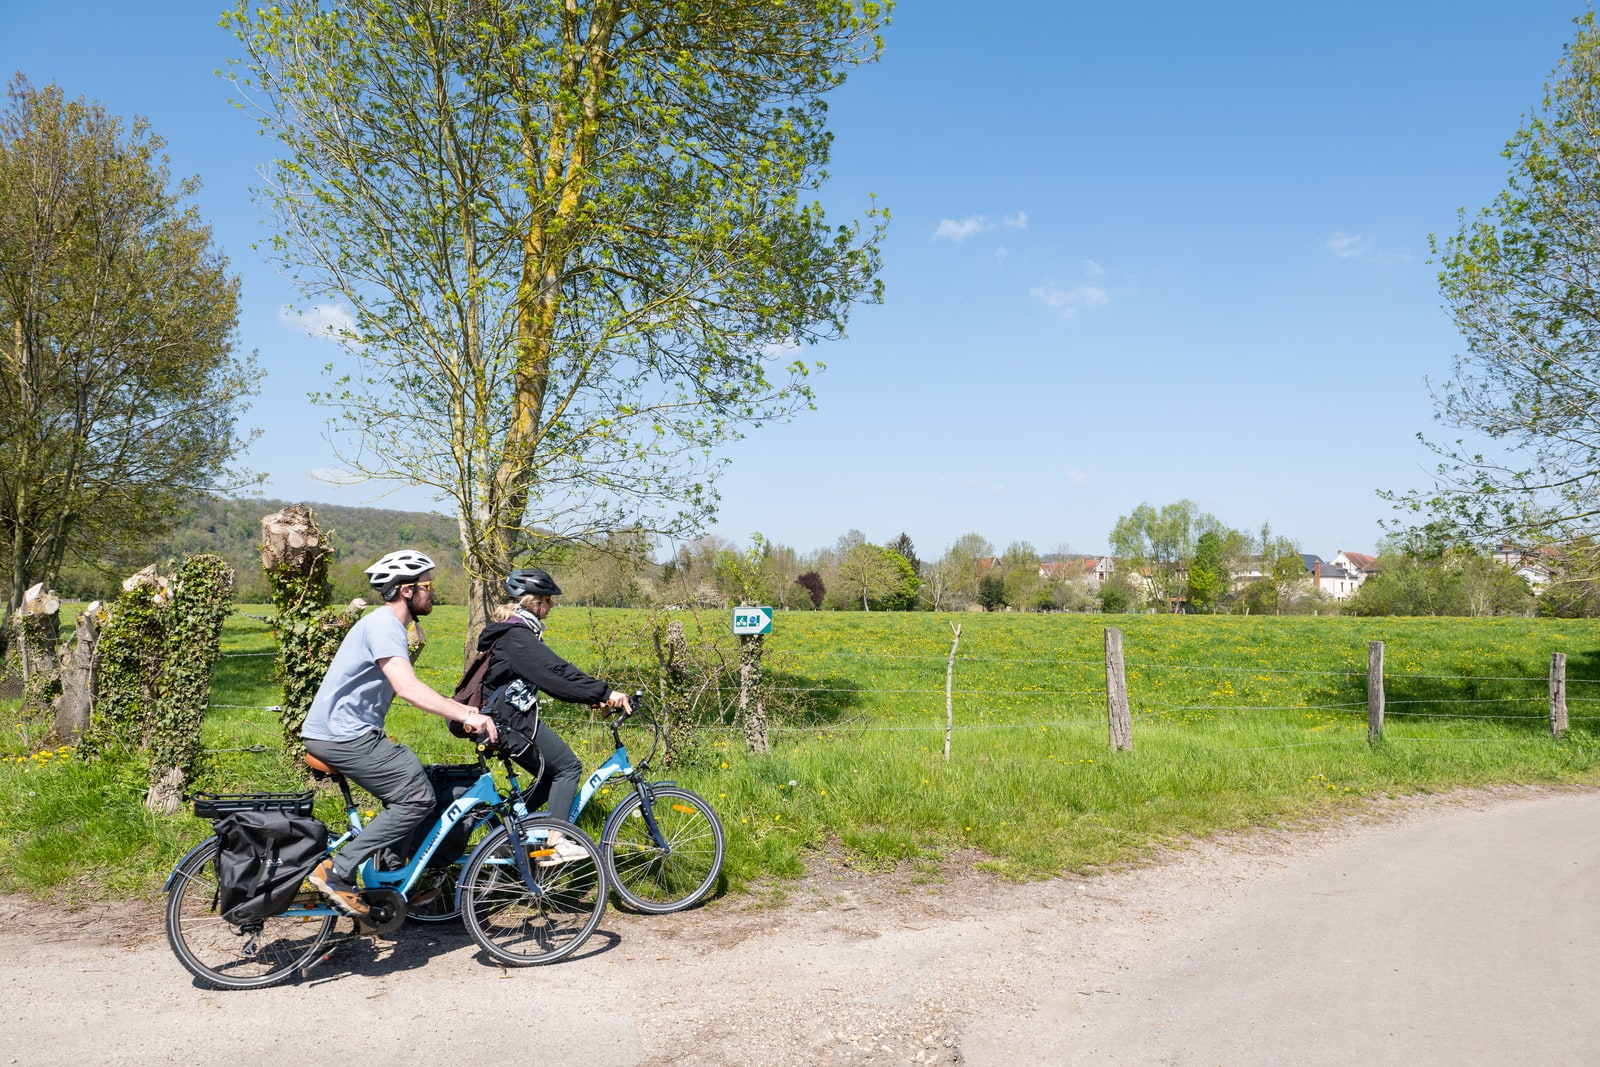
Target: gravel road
x,y
1425,930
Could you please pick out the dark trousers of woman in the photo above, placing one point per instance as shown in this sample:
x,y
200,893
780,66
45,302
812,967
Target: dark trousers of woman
x,y
558,785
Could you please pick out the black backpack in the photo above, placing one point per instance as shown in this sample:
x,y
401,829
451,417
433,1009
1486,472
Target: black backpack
x,y
262,857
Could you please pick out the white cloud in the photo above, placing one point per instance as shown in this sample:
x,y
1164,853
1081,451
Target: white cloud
x,y
960,231
1019,221
1000,254
1091,267
1348,245
780,349
335,476
1076,477
1070,301
324,320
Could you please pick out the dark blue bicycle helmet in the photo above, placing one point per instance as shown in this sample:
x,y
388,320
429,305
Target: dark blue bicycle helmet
x,y
531,581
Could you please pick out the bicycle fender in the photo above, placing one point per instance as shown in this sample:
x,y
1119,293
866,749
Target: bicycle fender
x,y
166,886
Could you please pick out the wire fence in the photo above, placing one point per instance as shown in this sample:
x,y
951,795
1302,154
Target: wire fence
x,y
921,693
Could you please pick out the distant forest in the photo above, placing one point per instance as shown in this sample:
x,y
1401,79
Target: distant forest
x,y
232,530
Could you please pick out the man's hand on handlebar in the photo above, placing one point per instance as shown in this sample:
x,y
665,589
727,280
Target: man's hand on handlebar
x,y
617,701
479,723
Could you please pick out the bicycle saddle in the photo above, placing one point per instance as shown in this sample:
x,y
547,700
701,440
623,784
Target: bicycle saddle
x,y
320,769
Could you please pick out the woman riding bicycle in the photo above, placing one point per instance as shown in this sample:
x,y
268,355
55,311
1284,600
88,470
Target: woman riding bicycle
x,y
520,655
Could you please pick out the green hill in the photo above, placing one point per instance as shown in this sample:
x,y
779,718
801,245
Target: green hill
x,y
232,529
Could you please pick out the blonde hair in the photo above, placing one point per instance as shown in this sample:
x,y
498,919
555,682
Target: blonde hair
x,y
502,612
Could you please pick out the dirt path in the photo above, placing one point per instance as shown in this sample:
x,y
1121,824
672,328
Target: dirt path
x,y
846,969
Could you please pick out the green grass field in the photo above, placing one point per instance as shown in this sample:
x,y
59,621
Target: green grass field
x,y
1237,722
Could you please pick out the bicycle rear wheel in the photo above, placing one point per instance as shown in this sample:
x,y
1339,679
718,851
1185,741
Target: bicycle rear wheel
x,y
658,880
519,925
225,956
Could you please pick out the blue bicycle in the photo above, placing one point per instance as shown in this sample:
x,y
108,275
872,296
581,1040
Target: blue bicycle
x,y
520,905
662,844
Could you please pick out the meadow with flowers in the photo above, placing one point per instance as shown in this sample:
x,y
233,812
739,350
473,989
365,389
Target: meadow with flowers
x,y
1237,722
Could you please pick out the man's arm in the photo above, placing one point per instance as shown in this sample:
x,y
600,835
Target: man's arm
x,y
413,690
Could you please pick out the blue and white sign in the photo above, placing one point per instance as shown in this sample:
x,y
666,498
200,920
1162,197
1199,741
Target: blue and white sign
x,y
747,621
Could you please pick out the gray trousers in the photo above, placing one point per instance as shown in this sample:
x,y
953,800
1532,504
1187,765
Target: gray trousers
x,y
389,771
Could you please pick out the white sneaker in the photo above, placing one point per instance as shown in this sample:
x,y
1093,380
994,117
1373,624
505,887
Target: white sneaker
x,y
565,851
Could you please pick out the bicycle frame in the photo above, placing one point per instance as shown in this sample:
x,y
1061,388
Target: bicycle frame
x,y
617,763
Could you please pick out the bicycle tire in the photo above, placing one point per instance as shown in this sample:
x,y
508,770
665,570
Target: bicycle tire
x,y
648,880
517,926
214,950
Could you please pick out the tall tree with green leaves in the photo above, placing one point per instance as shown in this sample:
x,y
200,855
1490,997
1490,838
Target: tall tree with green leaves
x,y
575,241
119,385
1158,544
1208,573
1519,280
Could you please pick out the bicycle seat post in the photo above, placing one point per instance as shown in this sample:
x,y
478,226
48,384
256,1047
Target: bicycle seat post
x,y
321,771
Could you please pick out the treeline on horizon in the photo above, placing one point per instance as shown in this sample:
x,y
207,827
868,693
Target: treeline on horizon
x,y
850,575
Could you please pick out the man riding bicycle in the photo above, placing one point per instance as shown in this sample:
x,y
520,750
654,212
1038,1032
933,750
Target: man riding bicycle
x,y
344,727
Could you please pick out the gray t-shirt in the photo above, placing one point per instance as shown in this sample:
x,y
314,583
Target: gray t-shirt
x,y
355,695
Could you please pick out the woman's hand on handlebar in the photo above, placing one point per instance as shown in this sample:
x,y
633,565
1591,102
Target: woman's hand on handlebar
x,y
618,701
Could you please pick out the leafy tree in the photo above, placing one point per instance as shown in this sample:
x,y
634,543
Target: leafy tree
x,y
903,545
1518,279
902,595
956,584
811,582
118,379
1117,595
992,591
873,576
1019,569
575,240
1208,573
1159,542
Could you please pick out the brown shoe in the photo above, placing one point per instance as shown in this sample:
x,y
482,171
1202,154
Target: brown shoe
x,y
344,898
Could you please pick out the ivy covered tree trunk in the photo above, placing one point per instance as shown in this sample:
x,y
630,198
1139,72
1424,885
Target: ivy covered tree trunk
x,y
752,701
36,629
295,555
674,701
202,598
130,651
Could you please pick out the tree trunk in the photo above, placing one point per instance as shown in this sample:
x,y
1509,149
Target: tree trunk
x,y
76,702
752,701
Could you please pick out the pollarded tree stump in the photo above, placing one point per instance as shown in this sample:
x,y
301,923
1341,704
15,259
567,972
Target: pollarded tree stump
x,y
76,702
292,542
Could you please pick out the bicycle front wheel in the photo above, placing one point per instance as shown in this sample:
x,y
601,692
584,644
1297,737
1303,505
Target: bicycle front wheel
x,y
657,878
520,924
225,956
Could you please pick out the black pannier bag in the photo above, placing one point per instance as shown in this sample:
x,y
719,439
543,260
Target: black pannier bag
x,y
262,858
450,782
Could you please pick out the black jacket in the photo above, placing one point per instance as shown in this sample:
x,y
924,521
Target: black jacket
x,y
519,654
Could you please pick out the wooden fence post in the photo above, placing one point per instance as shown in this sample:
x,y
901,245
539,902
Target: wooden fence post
x,y
1375,691
949,677
1558,694
1117,694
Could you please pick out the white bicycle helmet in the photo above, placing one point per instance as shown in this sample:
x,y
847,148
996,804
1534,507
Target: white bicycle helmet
x,y
395,569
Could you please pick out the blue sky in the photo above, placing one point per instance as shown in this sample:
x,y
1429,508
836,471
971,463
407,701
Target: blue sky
x,y
1138,253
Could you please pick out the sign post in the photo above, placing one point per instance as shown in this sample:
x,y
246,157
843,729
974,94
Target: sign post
x,y
750,621
752,624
